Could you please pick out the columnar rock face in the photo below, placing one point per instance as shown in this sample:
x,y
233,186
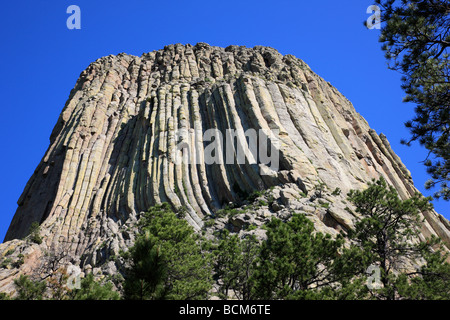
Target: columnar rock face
x,y
112,151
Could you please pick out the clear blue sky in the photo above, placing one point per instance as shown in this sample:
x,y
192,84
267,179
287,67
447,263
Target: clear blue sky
x,y
41,60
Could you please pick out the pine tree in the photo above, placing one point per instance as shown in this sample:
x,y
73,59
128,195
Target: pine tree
x,y
145,277
169,259
297,262
416,40
431,281
388,231
90,289
55,288
234,265
28,289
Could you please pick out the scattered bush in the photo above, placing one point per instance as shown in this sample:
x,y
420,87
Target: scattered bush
x,y
34,233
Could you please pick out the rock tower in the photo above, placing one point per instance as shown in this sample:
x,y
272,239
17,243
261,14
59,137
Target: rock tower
x,y
111,153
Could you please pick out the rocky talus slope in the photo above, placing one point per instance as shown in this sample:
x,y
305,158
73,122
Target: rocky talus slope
x,y
111,153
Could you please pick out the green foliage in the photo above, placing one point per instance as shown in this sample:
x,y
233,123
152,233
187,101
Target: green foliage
x,y
320,188
388,230
228,211
255,194
416,39
28,289
20,261
296,262
303,194
34,233
145,278
5,262
4,296
270,199
234,265
55,288
168,260
431,282
10,262
94,290
336,191
325,204
208,222
262,203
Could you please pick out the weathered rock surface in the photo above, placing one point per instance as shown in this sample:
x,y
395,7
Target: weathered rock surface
x,y
112,149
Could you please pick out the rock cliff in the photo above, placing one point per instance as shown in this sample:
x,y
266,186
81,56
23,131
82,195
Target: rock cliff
x,y
112,152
